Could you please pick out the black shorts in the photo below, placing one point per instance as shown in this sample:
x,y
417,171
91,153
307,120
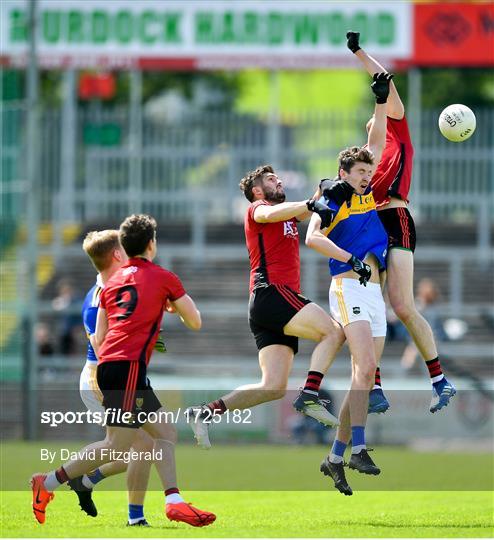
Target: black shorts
x,y
270,309
125,388
400,227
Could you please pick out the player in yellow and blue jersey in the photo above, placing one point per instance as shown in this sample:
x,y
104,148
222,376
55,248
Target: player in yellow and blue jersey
x,y
356,243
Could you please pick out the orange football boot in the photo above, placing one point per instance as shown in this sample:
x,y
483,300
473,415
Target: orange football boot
x,y
41,497
189,514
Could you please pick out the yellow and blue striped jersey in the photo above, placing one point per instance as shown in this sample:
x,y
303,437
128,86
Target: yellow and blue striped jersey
x,y
357,229
89,313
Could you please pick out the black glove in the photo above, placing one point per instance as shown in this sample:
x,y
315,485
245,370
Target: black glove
x,y
325,213
340,192
362,269
380,86
352,41
326,183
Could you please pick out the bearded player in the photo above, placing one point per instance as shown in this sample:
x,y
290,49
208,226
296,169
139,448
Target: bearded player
x,y
391,185
278,313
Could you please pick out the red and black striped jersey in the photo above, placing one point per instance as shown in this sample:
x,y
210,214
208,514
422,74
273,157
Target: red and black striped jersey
x,y
134,299
393,175
273,251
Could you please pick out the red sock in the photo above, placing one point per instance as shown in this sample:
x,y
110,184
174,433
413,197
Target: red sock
x,y
61,475
377,378
217,407
435,371
313,382
170,491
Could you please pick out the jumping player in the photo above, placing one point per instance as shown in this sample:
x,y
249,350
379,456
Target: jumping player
x,y
391,185
278,313
356,244
128,322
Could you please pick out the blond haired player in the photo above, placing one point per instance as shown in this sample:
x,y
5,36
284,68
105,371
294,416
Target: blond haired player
x,y
127,328
107,256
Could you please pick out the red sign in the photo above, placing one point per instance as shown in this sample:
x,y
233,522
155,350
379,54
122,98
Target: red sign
x,y
97,86
454,34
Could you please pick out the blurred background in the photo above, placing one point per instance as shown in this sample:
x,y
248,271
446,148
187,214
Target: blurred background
x,y
112,108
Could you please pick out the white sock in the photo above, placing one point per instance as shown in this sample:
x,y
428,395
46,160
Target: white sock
x,y
135,520
51,482
376,386
86,482
333,458
437,378
174,498
358,449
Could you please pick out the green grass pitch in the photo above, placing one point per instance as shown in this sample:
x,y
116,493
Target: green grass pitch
x,y
277,513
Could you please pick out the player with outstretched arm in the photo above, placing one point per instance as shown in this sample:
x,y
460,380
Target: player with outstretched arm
x,y
278,314
390,185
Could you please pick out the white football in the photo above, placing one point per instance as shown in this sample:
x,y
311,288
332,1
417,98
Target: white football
x,y
457,123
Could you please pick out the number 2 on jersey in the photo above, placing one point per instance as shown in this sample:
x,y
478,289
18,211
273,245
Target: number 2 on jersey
x,y
129,303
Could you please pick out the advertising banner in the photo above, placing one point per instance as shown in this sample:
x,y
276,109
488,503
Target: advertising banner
x,y
454,34
205,35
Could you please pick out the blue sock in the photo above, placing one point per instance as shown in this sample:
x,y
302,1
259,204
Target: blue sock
x,y
136,512
358,439
337,451
95,476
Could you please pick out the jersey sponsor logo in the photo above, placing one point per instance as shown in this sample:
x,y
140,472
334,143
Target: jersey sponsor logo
x,y
130,270
360,204
356,310
289,229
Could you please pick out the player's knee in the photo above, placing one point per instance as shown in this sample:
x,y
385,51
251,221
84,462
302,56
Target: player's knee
x,y
326,328
168,432
273,392
333,332
404,310
365,369
118,444
143,442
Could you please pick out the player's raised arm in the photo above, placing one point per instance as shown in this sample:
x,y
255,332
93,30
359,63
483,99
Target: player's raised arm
x,y
377,132
101,329
189,314
394,108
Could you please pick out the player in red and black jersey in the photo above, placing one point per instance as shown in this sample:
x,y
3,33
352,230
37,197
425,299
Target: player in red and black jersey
x,y
390,185
278,313
127,327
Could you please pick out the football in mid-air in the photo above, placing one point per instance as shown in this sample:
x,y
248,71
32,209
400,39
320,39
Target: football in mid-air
x,y
457,122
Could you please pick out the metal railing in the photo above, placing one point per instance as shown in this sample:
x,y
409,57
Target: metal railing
x,y
159,165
